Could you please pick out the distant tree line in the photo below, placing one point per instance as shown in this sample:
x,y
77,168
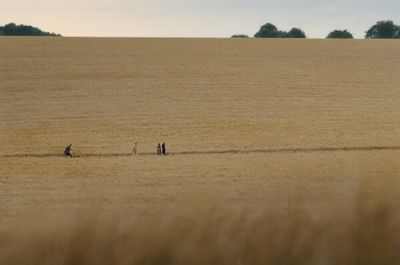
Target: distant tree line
x,y
340,34
240,36
13,29
271,31
385,29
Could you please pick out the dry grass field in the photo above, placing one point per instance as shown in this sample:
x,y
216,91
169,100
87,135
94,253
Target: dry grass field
x,y
272,144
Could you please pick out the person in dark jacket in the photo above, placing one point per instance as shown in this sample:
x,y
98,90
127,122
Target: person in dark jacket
x,y
163,149
68,151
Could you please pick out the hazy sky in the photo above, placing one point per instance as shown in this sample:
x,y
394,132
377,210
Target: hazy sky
x,y
197,18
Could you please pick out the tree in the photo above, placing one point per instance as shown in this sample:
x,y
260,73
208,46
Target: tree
x,y
384,29
340,34
12,29
239,36
295,33
268,31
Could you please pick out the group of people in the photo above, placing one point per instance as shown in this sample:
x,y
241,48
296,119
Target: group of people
x,y
161,150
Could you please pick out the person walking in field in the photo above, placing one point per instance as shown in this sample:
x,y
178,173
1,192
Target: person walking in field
x,y
135,149
163,149
68,151
159,149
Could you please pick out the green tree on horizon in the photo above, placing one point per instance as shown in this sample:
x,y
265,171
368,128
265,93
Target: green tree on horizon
x,y
340,34
271,31
294,33
384,29
268,31
12,29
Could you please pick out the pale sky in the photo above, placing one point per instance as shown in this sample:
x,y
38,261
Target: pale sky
x,y
196,18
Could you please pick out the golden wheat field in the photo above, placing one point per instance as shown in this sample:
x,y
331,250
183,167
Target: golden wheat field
x,y
280,151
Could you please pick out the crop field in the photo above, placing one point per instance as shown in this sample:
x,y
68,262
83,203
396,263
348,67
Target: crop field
x,y
268,134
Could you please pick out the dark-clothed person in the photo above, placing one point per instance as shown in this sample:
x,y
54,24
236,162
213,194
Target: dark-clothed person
x,y
68,151
163,149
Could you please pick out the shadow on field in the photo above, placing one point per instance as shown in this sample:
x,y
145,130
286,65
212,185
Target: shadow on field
x,y
217,235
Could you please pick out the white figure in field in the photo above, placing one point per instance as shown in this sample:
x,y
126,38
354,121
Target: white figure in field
x,y
159,149
135,149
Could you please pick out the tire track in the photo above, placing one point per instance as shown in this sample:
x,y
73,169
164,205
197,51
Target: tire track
x,y
295,150
211,152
